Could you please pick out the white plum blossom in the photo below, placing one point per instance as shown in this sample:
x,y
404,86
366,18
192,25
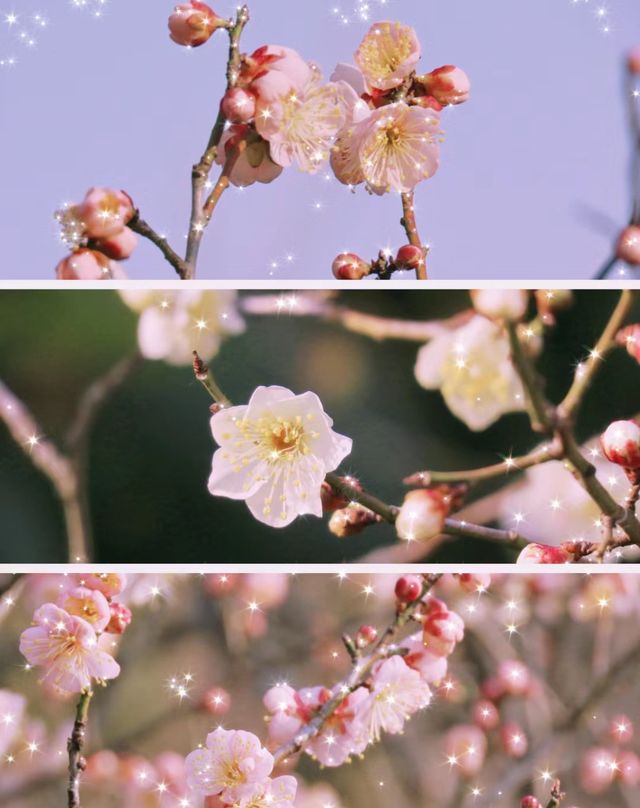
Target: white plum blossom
x,y
397,692
174,324
472,368
274,453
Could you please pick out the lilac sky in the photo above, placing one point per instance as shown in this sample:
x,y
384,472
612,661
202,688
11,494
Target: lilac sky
x,y
533,179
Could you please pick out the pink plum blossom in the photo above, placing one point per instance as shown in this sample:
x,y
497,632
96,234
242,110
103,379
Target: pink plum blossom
x,y
448,85
442,628
120,246
90,604
277,793
66,647
388,54
104,212
274,453
342,734
87,265
233,764
253,163
431,667
397,692
109,583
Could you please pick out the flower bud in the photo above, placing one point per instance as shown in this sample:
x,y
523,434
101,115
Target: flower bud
x,y
597,770
633,62
120,618
409,257
448,85
501,304
85,265
620,729
192,23
332,500
543,554
629,337
351,521
120,246
216,701
350,267
105,212
366,635
514,677
514,741
629,768
109,583
422,515
621,444
238,105
465,747
474,581
408,588
442,630
485,714
530,802
628,248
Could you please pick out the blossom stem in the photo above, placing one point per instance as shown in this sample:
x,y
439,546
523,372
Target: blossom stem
x,y
387,512
203,374
139,226
589,369
75,746
200,172
538,406
410,225
359,674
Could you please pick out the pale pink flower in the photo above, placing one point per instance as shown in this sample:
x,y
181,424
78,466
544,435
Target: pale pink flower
x,y
300,124
274,453
254,163
174,324
388,54
109,583
232,764
342,735
501,304
88,265
392,149
104,212
432,668
269,65
12,713
397,692
472,368
192,23
90,604
66,647
277,793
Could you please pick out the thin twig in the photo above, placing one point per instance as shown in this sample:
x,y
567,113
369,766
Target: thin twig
x,y
145,230
410,225
538,406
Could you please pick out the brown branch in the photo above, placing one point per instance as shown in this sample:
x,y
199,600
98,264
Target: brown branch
x,y
75,746
145,230
538,406
410,225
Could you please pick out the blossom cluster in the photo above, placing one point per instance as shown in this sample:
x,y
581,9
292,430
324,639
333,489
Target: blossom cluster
x,y
69,639
96,232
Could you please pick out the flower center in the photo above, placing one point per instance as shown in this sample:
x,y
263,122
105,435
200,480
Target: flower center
x,y
232,775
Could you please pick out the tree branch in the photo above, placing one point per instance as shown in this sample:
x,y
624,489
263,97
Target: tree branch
x,y
75,746
410,225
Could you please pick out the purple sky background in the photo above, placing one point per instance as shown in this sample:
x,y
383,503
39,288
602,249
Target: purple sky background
x,y
533,177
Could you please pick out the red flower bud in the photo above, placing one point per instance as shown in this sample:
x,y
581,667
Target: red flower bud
x,y
621,444
216,701
192,23
543,554
238,105
409,257
628,248
366,635
408,588
120,618
530,802
350,267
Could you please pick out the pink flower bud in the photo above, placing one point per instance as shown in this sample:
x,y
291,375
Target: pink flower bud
x,y
485,714
514,741
633,62
441,632
192,23
448,85
465,747
422,515
350,267
629,766
621,729
530,802
408,588
366,635
598,769
105,212
514,677
120,619
628,248
474,581
331,499
120,246
409,257
630,338
216,701
501,304
543,554
239,105
621,444
85,265
351,521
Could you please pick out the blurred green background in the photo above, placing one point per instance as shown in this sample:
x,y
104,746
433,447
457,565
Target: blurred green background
x,y
151,449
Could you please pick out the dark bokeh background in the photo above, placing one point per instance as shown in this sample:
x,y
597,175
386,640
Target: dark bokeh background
x,y
152,448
